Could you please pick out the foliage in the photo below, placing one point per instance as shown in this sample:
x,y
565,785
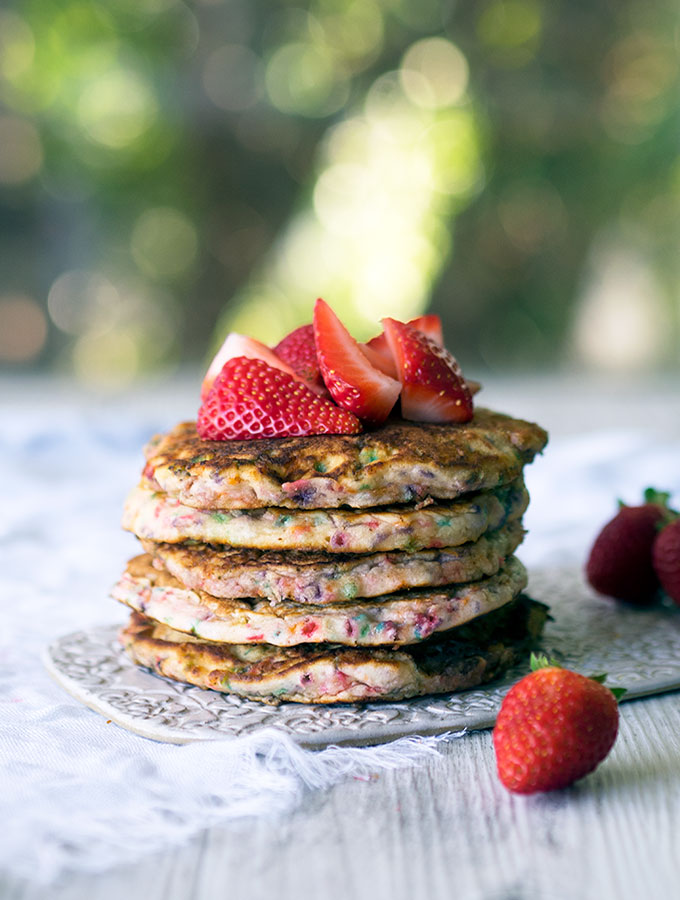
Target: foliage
x,y
511,164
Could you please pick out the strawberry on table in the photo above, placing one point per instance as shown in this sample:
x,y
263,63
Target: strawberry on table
x,y
433,386
298,350
554,727
353,382
251,399
666,559
620,561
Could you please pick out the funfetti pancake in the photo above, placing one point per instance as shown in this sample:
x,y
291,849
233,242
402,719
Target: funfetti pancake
x,y
318,577
157,517
319,673
398,462
401,618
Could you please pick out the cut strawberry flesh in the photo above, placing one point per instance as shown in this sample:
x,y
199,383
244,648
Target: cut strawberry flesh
x,y
378,352
353,382
236,345
431,326
433,386
380,357
250,399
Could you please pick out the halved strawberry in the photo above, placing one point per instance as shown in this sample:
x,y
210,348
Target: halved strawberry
x,y
352,381
236,345
250,399
378,352
434,389
298,350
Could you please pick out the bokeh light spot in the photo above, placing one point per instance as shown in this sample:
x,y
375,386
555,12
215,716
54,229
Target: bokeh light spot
x,y
622,322
21,153
117,108
434,73
110,360
83,302
454,145
17,46
302,79
231,77
23,329
512,28
355,34
164,243
340,192
641,76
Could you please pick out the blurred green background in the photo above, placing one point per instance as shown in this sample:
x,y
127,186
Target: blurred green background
x,y
169,171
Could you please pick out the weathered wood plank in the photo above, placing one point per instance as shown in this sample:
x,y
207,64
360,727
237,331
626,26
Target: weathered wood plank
x,y
445,829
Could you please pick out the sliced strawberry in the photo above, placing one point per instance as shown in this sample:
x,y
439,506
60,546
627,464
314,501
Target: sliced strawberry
x,y
352,381
378,352
431,326
250,399
298,350
434,389
236,345
380,357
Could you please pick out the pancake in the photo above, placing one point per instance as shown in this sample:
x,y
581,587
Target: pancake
x,y
469,656
158,517
320,578
397,463
401,618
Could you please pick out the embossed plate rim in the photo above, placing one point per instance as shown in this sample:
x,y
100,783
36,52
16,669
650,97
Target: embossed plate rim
x,y
589,632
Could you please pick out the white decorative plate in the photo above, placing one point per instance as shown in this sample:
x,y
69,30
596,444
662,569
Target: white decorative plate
x,y
638,648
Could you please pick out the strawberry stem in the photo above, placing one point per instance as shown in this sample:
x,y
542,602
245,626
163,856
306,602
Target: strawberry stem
x,y
541,661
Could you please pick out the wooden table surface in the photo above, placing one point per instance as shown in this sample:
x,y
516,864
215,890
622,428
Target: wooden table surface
x,y
445,829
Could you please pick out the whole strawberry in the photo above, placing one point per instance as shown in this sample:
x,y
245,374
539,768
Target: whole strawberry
x,y
620,562
554,727
666,559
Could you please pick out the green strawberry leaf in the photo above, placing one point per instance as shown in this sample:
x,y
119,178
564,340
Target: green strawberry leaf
x,y
651,495
617,692
661,498
541,661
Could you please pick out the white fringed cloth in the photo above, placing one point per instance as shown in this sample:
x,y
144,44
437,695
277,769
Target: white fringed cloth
x,y
77,793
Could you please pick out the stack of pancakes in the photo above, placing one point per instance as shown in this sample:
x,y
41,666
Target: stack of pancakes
x,y
333,568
